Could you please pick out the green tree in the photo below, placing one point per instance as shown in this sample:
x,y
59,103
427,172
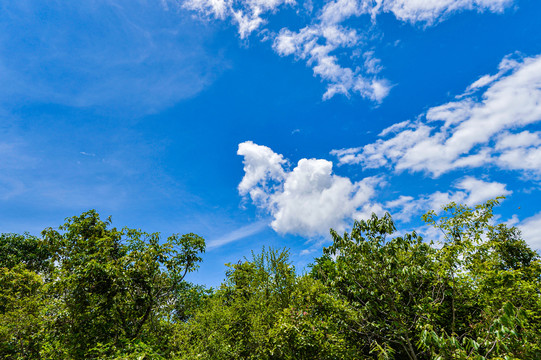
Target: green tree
x,y
236,321
189,298
24,249
390,283
22,309
88,290
24,263
314,326
492,289
476,295
113,287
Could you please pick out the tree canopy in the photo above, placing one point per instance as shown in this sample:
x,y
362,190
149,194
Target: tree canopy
x,y
88,290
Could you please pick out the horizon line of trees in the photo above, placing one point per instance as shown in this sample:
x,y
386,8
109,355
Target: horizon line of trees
x,y
88,290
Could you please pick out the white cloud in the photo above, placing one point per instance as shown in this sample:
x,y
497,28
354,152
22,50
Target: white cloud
x,y
308,200
246,14
262,171
507,64
394,128
430,11
508,140
531,231
315,45
471,191
372,65
325,43
469,132
217,8
522,159
317,42
480,191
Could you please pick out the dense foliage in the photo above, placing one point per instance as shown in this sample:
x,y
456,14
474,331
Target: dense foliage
x,y
90,291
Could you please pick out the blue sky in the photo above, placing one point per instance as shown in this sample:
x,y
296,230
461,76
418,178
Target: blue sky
x,y
265,122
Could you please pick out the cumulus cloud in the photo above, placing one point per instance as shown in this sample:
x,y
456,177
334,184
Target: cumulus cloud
x,y
307,200
476,130
263,171
326,44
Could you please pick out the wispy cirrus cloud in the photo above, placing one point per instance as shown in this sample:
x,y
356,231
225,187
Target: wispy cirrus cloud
x,y
328,42
492,123
122,55
237,234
